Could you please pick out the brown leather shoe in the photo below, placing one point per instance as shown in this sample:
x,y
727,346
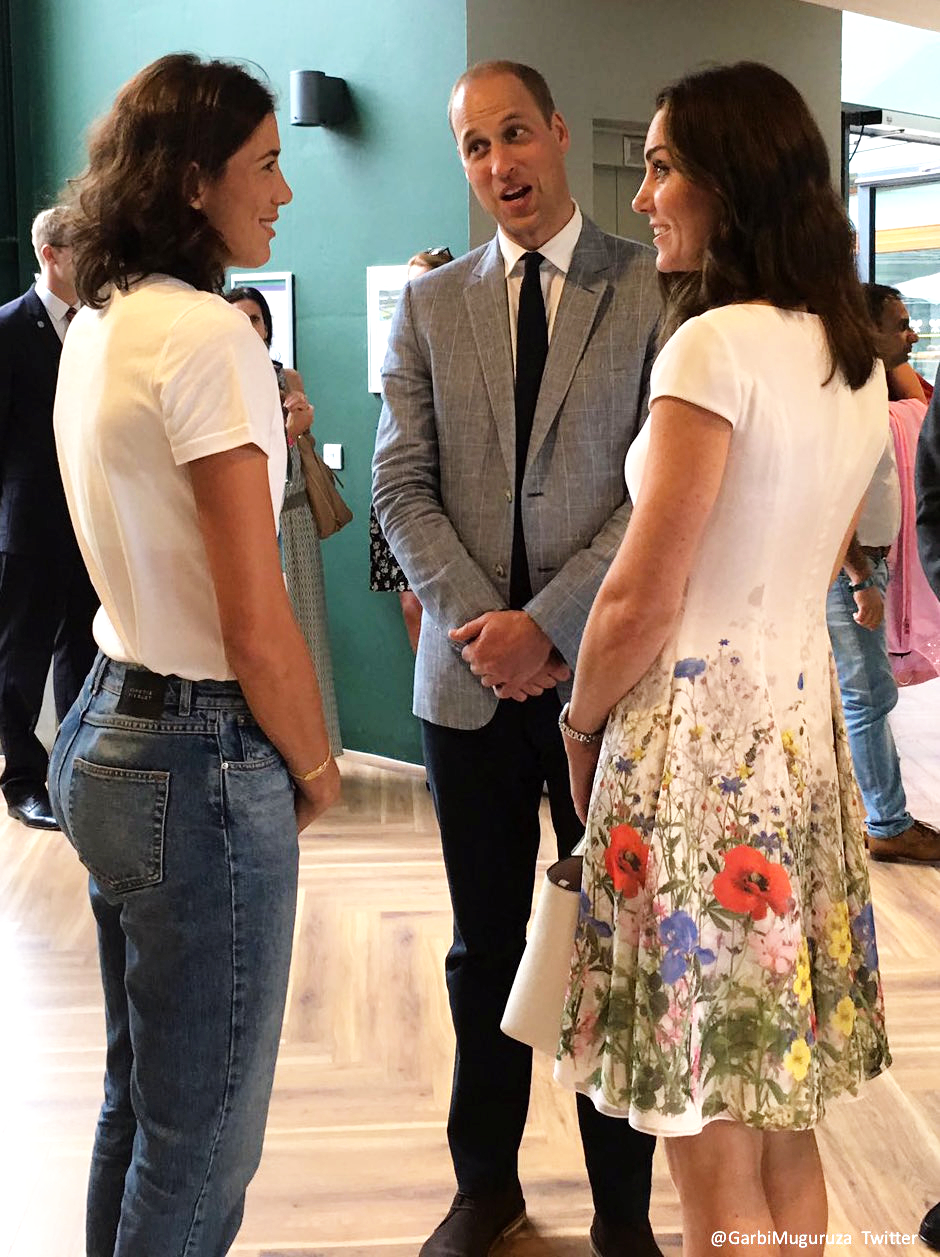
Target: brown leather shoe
x,y
918,844
475,1225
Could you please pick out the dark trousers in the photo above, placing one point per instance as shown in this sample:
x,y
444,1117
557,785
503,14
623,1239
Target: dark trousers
x,y
46,610
487,786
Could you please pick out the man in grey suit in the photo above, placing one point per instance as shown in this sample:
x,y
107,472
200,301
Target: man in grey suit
x,y
515,380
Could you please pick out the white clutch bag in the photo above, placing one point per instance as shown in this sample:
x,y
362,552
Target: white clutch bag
x,y
533,1011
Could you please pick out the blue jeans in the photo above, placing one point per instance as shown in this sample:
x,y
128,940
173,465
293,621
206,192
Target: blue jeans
x,y
185,819
869,693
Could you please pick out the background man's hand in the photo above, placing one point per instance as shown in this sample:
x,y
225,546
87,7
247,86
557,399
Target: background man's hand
x,y
871,608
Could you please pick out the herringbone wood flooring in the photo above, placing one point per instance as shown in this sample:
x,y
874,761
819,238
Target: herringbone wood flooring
x,y
355,1157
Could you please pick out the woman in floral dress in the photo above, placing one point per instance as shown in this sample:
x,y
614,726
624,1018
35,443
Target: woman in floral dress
x,y
725,963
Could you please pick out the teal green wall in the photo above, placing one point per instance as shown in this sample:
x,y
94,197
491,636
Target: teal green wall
x,y
9,243
371,193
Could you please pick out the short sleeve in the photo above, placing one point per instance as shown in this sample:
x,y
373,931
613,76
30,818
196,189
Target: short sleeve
x,y
697,365
216,384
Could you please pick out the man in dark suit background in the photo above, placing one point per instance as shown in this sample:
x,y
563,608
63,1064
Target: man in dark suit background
x,y
47,602
516,378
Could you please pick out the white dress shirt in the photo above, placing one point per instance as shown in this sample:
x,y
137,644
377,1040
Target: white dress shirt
x,y
56,308
557,253
880,520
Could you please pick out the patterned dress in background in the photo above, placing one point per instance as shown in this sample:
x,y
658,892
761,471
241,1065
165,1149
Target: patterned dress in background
x,y
385,576
303,570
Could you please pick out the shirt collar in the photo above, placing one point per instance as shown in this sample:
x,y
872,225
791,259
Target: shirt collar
x,y
55,305
558,250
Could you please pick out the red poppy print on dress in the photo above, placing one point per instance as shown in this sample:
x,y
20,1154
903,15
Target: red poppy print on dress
x,y
750,884
626,860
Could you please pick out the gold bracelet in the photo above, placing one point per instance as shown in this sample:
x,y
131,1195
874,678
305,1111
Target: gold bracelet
x,y
314,773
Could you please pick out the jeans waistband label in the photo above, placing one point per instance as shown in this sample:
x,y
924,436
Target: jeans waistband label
x,y
142,694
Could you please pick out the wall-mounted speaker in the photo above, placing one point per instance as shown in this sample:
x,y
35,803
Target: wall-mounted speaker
x,y
317,100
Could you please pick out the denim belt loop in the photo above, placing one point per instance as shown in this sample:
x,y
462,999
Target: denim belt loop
x,y
186,696
98,669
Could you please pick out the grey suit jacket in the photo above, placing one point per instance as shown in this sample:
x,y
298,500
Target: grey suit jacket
x,y
444,466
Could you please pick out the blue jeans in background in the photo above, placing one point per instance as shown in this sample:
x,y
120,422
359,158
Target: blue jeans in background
x,y
869,693
185,820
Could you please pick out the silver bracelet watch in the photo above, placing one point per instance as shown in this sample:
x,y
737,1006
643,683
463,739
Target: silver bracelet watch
x,y
588,739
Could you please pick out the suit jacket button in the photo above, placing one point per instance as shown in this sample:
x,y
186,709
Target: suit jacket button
x,y
500,570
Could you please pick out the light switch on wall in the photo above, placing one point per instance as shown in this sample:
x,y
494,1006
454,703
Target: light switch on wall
x,y
333,456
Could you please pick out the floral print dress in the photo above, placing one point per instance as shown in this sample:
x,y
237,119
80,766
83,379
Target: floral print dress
x,y
725,963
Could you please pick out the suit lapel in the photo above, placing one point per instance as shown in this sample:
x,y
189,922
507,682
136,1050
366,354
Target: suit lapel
x,y
581,297
46,335
488,308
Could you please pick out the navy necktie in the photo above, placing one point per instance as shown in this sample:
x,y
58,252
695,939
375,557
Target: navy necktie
x,y
531,352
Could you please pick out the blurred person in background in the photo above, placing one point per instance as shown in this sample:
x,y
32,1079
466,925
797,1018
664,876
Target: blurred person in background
x,y
385,574
300,542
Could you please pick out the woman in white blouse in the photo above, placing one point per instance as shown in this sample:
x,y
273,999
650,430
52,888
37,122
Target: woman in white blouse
x,y
198,748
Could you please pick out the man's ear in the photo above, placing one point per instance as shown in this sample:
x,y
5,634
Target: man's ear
x,y
560,130
47,253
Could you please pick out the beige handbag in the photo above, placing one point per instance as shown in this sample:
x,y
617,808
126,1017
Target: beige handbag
x,y
330,512
536,1001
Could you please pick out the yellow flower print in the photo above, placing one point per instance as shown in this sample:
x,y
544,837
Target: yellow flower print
x,y
744,771
696,732
840,947
844,1016
838,918
789,742
667,778
797,1059
840,936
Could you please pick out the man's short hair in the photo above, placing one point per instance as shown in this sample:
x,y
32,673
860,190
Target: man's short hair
x,y
878,296
530,79
52,226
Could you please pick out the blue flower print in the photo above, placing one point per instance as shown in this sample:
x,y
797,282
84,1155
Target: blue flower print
x,y
863,927
799,681
680,934
689,669
601,928
730,785
624,765
768,840
723,641
673,967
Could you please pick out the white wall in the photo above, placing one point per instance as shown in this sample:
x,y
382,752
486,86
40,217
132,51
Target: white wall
x,y
608,58
925,14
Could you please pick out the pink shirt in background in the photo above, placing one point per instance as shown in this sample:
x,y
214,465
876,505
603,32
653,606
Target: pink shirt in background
x,y
912,612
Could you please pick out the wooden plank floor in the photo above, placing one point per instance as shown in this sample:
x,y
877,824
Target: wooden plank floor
x,y
355,1157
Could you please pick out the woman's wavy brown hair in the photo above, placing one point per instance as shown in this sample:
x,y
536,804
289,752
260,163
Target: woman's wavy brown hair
x,y
177,121
783,235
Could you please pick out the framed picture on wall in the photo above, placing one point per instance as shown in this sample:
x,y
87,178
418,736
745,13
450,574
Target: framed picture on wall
x,y
383,288
277,287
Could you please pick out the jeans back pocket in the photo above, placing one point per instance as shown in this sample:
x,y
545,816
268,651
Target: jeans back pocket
x,y
117,819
